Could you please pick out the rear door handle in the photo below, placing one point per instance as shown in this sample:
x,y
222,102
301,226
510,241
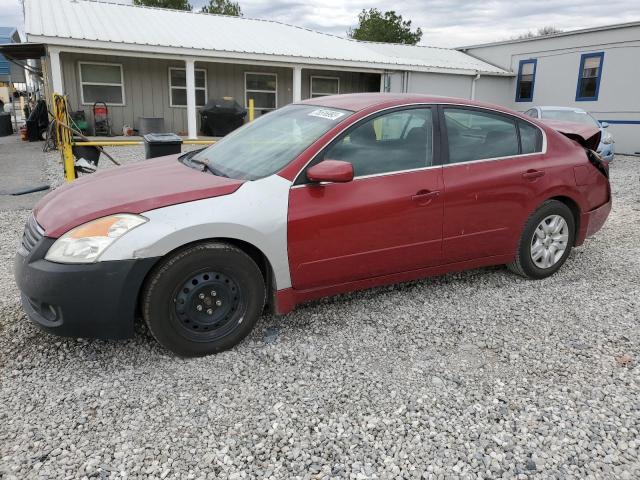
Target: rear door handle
x,y
532,174
424,197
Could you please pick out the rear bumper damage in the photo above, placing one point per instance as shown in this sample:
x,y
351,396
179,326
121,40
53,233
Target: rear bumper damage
x,y
591,222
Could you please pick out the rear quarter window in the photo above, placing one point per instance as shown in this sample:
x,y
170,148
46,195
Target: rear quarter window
x,y
530,137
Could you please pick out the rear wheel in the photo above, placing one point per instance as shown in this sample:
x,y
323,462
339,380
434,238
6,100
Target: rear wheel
x,y
203,299
546,241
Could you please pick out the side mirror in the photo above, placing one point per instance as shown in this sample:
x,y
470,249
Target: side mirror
x,y
335,171
604,124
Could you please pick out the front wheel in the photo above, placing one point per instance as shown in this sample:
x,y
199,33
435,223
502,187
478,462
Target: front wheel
x,y
546,241
203,299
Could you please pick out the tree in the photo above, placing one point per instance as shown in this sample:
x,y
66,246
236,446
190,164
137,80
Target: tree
x,y
541,32
175,4
223,7
388,27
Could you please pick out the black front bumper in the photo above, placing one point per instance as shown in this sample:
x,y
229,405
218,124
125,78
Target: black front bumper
x,y
96,300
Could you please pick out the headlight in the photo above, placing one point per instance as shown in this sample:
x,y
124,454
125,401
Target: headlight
x,y
85,243
607,138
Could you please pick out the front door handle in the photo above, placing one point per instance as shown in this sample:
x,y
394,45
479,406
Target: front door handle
x,y
532,174
424,197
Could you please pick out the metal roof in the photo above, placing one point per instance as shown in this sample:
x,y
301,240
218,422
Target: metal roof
x,y
554,35
93,24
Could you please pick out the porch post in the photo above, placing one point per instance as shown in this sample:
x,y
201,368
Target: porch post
x,y
297,84
192,122
56,71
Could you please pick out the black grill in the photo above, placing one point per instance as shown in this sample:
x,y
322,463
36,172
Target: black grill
x,y
33,233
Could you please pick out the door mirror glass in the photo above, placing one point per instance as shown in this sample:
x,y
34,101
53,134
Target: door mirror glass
x,y
335,171
604,124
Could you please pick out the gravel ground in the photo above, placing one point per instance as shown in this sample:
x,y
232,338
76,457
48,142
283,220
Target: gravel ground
x,y
480,374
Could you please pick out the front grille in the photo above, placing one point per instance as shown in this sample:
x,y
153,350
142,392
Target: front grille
x,y
33,233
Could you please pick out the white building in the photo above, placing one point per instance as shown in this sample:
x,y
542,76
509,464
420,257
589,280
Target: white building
x,y
596,69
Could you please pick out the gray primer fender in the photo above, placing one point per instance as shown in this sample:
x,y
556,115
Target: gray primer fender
x,y
255,213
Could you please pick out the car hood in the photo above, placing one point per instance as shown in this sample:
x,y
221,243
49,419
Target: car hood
x,y
136,188
586,135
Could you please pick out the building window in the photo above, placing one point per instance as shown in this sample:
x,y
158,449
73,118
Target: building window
x,y
323,86
178,87
101,82
526,80
589,76
262,88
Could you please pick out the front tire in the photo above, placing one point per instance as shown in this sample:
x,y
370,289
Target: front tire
x,y
203,299
546,241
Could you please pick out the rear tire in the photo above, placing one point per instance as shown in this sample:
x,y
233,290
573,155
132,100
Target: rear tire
x,y
204,299
546,241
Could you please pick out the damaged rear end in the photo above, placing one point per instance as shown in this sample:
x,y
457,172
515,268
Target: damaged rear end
x,y
592,180
587,136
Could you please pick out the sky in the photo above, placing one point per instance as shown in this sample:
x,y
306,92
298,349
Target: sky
x,y
445,23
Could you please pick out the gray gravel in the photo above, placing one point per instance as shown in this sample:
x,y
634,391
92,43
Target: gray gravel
x,y
480,374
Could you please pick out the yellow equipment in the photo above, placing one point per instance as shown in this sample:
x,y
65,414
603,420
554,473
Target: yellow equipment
x,y
64,134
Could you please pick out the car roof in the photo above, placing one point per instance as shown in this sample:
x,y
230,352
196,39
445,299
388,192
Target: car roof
x,y
363,101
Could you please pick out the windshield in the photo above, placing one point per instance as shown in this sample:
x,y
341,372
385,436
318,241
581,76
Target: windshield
x,y
265,146
570,116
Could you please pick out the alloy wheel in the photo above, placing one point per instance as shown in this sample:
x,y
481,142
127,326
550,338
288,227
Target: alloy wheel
x,y
549,241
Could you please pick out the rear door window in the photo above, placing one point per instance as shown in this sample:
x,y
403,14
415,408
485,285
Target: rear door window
x,y
477,135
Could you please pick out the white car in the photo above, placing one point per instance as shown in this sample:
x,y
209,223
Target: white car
x,y
577,115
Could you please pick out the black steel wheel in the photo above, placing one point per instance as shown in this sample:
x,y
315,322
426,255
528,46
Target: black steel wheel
x,y
203,299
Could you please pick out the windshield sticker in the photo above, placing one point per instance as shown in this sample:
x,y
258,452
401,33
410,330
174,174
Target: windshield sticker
x,y
328,114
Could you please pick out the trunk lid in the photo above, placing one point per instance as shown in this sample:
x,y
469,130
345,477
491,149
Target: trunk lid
x,y
586,135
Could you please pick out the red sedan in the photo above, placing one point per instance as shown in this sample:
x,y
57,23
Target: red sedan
x,y
326,196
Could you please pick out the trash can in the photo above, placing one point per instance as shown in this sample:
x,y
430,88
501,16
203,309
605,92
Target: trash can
x,y
221,116
90,154
6,128
161,144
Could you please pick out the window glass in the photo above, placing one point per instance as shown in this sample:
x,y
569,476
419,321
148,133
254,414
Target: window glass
x,y
389,143
574,116
178,87
475,135
589,76
98,73
201,78
266,145
178,77
261,87
261,81
321,86
178,97
101,83
102,93
526,78
530,137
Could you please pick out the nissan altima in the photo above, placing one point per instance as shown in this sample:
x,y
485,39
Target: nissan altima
x,y
326,196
